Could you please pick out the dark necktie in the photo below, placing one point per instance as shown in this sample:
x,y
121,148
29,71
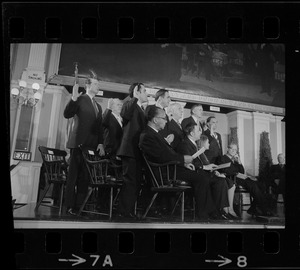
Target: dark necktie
x,y
204,159
216,137
178,124
95,106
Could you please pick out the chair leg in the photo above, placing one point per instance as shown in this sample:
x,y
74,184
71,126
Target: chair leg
x,y
111,197
149,206
194,206
61,198
241,203
85,200
136,202
178,199
42,197
117,196
182,207
135,207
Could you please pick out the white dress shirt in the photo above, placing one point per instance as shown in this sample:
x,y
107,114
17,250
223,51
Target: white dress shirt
x,y
118,117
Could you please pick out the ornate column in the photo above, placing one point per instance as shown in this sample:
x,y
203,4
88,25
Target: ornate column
x,y
55,50
236,119
57,122
35,70
278,124
261,122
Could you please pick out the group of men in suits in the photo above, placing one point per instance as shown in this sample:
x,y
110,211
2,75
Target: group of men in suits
x,y
125,128
157,149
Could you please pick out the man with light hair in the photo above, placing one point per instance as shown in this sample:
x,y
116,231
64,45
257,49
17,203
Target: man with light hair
x,y
175,112
88,131
113,127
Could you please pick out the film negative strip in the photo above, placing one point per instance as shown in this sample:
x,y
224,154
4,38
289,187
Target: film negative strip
x,y
239,61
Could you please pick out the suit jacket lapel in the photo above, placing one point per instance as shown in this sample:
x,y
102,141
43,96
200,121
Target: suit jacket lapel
x,y
116,121
158,135
92,106
193,147
176,125
193,120
204,159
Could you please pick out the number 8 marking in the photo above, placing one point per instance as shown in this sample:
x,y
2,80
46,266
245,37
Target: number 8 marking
x,y
242,261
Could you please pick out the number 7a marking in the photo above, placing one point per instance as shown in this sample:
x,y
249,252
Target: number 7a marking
x,y
96,259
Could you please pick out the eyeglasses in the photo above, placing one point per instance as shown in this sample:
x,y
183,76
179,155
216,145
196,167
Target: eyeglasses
x,y
165,118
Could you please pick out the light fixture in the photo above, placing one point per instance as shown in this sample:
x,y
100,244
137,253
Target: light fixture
x,y
26,96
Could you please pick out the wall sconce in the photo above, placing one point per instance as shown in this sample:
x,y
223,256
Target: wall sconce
x,y
26,96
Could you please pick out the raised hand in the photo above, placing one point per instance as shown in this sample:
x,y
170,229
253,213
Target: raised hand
x,y
100,148
237,158
110,103
136,93
75,93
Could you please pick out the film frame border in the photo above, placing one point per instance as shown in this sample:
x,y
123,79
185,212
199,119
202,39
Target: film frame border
x,y
289,35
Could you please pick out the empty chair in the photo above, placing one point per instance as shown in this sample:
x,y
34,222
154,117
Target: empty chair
x,y
163,180
239,191
56,169
99,179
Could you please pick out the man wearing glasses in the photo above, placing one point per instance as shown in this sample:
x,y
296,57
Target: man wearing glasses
x,y
156,149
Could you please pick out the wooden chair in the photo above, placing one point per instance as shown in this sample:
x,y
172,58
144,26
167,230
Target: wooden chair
x,y
240,192
161,182
56,170
115,167
99,179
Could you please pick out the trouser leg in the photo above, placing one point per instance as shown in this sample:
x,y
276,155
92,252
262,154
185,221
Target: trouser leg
x,y
219,191
132,171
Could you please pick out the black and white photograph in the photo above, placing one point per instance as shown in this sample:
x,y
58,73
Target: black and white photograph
x,y
147,135
164,135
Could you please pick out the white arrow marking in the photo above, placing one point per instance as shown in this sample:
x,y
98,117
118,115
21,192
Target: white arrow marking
x,y
223,262
79,260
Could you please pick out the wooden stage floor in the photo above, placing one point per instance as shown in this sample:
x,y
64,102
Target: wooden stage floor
x,y
47,218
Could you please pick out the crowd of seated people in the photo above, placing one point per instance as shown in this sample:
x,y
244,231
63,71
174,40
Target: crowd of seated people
x,y
127,129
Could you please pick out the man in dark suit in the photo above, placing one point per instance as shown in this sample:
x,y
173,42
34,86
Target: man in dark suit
x,y
259,203
134,122
87,130
156,149
215,151
218,183
113,127
195,118
162,98
175,112
278,176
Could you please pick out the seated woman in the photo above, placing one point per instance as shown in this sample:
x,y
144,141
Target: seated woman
x,y
219,184
204,143
236,168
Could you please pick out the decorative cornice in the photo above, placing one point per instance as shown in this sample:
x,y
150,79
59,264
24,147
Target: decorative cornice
x,y
183,95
